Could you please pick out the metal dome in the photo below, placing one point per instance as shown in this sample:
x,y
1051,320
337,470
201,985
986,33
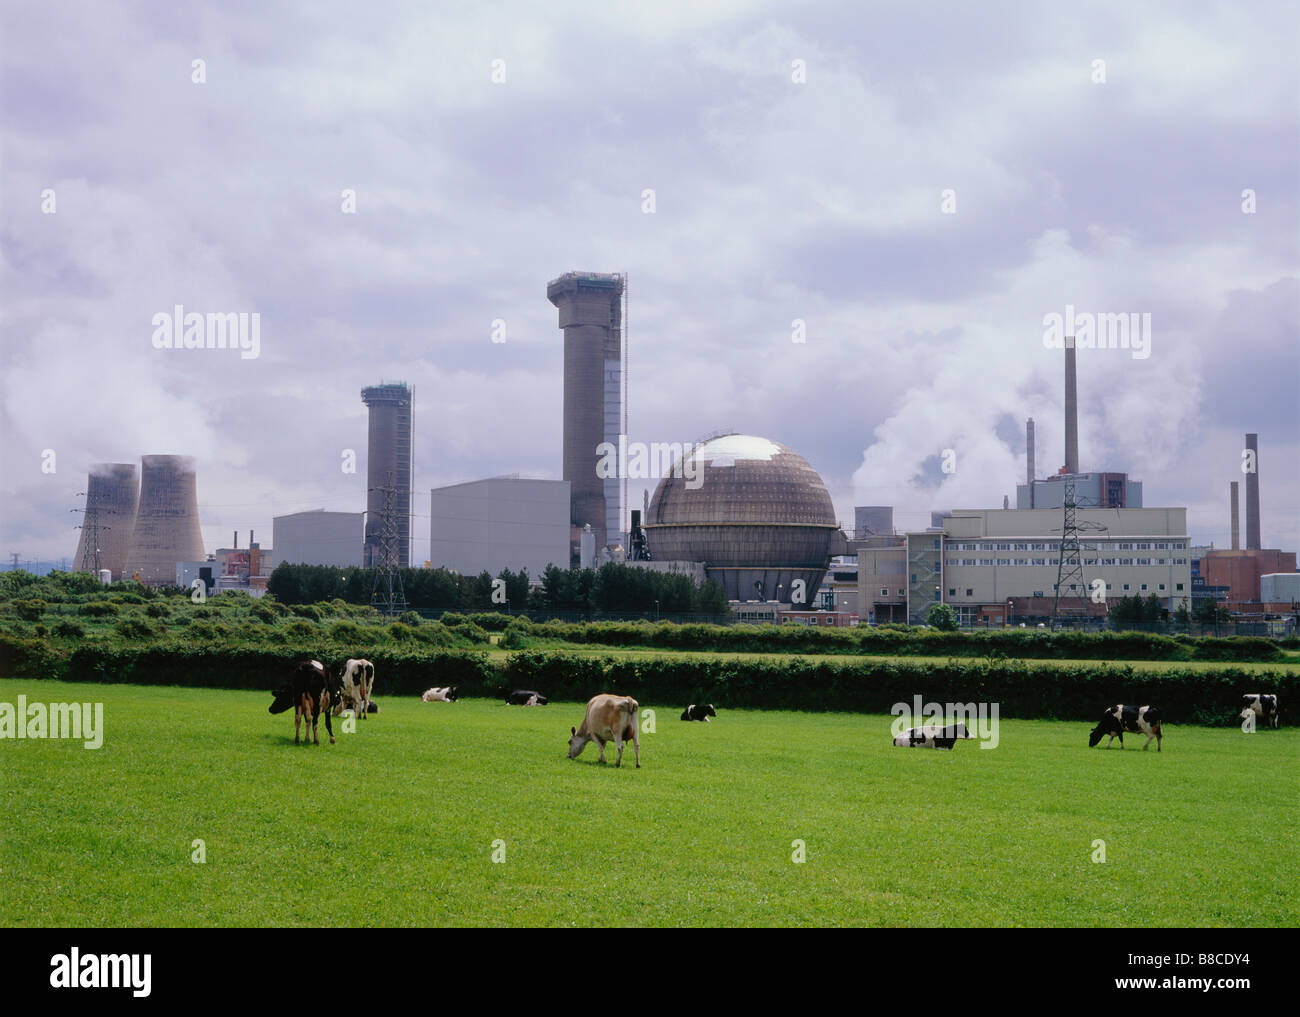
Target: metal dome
x,y
756,514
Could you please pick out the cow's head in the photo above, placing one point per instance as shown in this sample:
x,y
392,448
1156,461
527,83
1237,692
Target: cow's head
x,y
708,711
1096,736
577,743
452,694
282,701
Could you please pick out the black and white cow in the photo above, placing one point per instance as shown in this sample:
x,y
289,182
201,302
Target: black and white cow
x,y
932,736
703,713
358,680
1133,719
525,697
1261,705
309,691
441,694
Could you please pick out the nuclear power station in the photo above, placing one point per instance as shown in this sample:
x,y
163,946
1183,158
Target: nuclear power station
x,y
388,472
591,314
112,495
166,522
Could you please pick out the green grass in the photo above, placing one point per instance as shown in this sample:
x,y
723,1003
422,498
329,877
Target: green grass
x,y
395,824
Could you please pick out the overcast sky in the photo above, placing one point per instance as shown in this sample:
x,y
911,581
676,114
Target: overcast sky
x,y
775,199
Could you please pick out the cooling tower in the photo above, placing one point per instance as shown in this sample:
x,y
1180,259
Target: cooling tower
x,y
1236,526
388,461
1029,451
166,521
591,315
112,493
1071,409
1252,496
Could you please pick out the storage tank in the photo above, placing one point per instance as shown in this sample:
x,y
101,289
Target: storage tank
x,y
755,513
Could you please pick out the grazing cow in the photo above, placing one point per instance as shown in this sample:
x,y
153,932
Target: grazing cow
x,y
703,713
525,697
308,691
609,718
1133,719
358,679
1261,705
446,694
932,736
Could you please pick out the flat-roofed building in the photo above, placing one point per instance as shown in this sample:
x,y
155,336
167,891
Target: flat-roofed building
x,y
992,556
500,523
317,538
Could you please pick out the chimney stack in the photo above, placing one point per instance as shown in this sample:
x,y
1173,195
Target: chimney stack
x,y
1236,527
1029,451
1071,409
1252,496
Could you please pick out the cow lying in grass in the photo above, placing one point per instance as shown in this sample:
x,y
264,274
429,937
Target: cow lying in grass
x,y
308,691
932,736
1133,719
525,697
608,719
703,713
446,694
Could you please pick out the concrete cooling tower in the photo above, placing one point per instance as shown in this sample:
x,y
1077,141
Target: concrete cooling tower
x,y
112,493
166,522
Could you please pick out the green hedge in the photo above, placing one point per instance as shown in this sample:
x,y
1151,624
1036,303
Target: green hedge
x,y
408,669
1022,689
1021,643
1078,692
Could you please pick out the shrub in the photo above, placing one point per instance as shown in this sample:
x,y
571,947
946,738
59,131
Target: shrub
x,y
311,611
135,628
492,621
300,630
471,633
410,618
263,613
346,632
30,610
69,630
158,610
98,609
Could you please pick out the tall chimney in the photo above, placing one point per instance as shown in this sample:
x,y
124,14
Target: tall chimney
x,y
1029,451
1071,409
1236,526
235,545
1252,496
590,306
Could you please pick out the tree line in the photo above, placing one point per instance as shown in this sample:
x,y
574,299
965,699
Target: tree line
x,y
612,588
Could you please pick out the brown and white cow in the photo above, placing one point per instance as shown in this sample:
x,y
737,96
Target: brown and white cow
x,y
358,680
308,691
609,718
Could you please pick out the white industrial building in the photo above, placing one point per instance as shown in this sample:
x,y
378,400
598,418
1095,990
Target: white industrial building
x,y
318,538
500,523
1279,588
989,563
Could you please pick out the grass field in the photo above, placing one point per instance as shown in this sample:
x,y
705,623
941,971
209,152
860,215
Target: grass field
x,y
396,824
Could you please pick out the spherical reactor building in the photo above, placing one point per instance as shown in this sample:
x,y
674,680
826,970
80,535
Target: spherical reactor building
x,y
753,511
